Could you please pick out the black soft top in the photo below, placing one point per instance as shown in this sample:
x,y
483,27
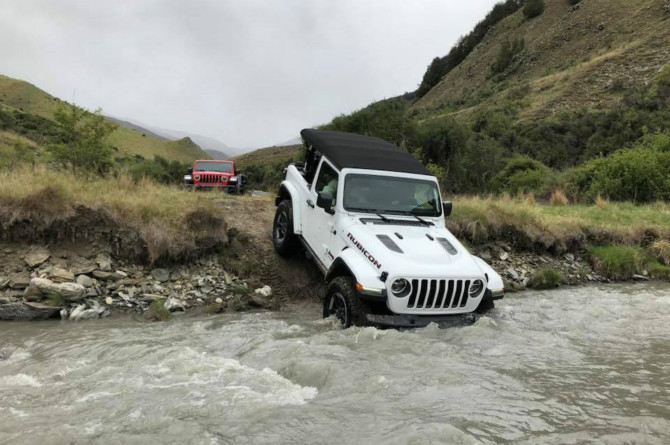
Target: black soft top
x,y
349,150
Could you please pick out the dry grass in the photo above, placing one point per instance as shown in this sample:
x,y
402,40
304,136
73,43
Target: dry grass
x,y
661,249
170,222
602,203
558,198
557,228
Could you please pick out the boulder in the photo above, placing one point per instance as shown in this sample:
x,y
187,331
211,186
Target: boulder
x,y
88,314
4,283
84,280
58,275
37,258
69,291
174,304
161,275
106,275
103,262
27,311
74,313
262,297
32,293
19,281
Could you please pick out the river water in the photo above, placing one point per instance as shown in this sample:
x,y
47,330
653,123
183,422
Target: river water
x,y
576,365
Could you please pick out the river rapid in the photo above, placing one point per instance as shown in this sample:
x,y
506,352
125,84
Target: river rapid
x,y
575,365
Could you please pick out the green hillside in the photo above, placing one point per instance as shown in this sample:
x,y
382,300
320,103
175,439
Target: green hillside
x,y
31,110
571,100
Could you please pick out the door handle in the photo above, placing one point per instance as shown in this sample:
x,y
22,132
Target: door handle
x,y
310,203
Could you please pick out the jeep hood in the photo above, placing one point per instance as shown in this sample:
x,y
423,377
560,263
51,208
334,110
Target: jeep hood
x,y
412,250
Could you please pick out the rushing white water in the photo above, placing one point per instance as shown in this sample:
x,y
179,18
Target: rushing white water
x,y
569,366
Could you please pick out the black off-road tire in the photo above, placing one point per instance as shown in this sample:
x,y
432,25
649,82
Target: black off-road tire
x,y
486,304
341,301
284,240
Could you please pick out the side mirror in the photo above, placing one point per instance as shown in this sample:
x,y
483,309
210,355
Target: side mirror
x,y
238,172
447,206
324,200
189,171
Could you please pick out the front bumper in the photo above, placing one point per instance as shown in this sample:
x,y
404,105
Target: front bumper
x,y
419,321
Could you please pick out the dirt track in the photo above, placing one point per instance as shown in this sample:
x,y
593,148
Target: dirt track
x,y
291,279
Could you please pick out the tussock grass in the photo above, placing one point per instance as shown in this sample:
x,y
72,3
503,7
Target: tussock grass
x,y
558,198
618,262
169,222
157,311
556,228
546,278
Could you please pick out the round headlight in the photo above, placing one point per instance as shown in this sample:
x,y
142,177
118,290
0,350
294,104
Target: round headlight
x,y
476,288
197,177
400,287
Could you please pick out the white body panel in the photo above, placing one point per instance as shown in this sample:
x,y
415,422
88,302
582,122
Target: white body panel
x,y
353,237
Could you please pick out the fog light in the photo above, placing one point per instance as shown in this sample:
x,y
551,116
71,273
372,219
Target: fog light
x,y
400,287
476,288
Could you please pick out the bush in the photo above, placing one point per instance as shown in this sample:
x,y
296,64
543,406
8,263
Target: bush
x,y
441,66
546,278
640,174
523,174
533,8
507,54
617,262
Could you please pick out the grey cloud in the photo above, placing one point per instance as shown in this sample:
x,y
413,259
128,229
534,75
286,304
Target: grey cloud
x,y
248,72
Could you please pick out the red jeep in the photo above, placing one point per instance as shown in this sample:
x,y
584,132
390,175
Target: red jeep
x,y
209,174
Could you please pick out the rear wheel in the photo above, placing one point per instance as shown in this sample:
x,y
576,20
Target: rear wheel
x,y
342,302
284,239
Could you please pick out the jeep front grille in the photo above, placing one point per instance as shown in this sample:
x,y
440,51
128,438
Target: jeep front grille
x,y
210,179
438,294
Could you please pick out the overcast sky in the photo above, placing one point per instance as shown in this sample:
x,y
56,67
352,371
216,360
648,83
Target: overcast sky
x,y
250,73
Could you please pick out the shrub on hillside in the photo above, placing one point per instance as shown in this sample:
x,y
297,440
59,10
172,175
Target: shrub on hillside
x,y
508,52
84,140
639,174
533,8
441,66
523,174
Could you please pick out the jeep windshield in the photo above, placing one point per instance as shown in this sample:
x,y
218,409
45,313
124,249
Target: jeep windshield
x,y
393,195
224,167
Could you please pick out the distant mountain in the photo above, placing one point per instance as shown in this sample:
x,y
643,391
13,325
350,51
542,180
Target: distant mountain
x,y
138,128
206,142
218,155
24,108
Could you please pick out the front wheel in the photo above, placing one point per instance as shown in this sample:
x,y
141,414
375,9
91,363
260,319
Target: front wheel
x,y
284,239
342,302
486,304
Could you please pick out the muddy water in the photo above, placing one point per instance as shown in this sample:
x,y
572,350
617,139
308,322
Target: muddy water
x,y
569,366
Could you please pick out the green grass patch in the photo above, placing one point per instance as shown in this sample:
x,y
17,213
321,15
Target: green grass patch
x,y
659,271
546,278
618,262
157,311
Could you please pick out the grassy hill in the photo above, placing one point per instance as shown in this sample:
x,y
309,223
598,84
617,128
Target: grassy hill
x,y
586,55
264,167
31,104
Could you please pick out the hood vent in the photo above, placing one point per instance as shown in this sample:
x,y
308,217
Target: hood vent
x,y
447,246
388,242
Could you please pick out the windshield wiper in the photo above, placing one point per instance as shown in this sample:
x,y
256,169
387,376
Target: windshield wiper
x,y
376,212
410,213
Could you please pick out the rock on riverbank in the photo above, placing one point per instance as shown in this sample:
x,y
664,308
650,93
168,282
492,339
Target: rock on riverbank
x,y
36,283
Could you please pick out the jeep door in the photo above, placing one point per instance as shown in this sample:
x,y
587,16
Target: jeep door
x,y
317,223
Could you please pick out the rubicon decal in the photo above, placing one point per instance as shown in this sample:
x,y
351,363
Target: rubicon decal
x,y
367,254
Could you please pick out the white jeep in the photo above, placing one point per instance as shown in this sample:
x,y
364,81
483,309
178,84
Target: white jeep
x,y
372,219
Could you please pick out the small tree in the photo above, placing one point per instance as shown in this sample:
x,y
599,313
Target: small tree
x,y
533,8
83,140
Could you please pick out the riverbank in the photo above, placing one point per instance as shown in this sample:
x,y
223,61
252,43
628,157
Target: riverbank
x,y
78,249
